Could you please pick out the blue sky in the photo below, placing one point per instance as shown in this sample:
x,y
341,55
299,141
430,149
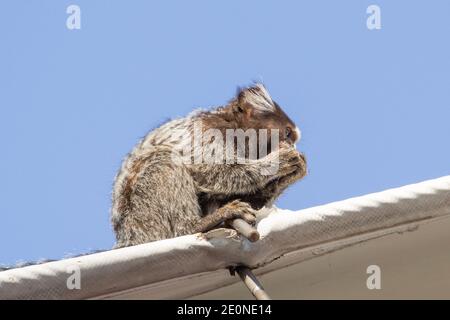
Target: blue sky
x,y
373,106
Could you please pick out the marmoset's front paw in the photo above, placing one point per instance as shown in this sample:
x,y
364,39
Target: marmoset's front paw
x,y
290,162
238,210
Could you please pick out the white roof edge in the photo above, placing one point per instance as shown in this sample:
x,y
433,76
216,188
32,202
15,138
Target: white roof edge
x,y
282,231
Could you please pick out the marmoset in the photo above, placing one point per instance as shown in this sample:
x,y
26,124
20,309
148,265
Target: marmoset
x,y
161,193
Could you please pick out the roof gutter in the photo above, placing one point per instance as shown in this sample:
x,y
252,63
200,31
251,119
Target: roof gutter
x,y
200,256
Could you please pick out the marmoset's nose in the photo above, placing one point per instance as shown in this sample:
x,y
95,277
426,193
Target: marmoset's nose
x,y
298,134
295,137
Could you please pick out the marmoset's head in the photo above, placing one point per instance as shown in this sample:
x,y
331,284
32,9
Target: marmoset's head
x,y
254,108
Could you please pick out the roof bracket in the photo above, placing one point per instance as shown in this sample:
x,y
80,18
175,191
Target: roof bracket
x,y
251,282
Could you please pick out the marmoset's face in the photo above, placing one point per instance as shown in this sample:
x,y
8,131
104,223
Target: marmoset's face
x,y
253,108
288,132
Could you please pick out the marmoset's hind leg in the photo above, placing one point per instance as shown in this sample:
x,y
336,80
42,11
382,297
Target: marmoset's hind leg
x,y
162,202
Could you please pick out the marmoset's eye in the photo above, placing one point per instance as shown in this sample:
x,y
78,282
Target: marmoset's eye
x,y
288,133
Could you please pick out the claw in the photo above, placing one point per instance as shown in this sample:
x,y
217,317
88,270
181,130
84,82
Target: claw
x,y
249,218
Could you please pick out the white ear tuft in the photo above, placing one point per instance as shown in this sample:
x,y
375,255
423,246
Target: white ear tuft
x,y
259,98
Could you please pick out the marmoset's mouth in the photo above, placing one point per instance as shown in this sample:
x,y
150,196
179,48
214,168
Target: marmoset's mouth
x,y
302,155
